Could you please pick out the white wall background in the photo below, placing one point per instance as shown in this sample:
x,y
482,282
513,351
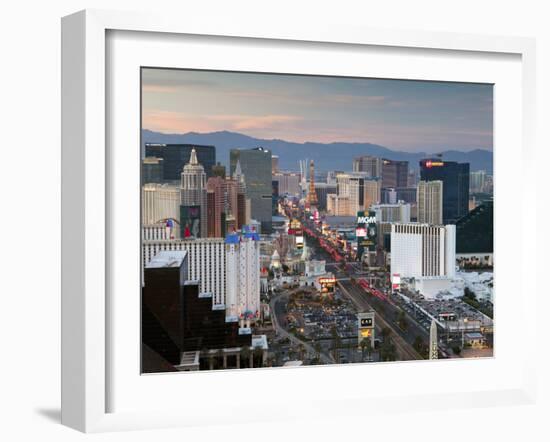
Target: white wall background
x,y
30,219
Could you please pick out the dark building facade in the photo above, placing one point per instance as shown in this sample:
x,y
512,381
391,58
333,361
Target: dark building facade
x,y
241,210
219,170
474,232
175,156
206,326
152,170
391,195
274,196
177,318
406,194
255,165
162,305
394,173
322,190
456,185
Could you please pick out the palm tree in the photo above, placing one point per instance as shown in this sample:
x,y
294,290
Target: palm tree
x,y
388,350
317,347
401,321
258,355
219,357
335,343
366,348
418,344
301,350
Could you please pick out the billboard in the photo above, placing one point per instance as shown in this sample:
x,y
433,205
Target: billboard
x,y
395,281
327,284
295,227
366,232
190,221
365,327
432,163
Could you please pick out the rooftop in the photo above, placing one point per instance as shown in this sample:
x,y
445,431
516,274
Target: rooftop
x,y
259,341
473,336
167,258
189,358
292,364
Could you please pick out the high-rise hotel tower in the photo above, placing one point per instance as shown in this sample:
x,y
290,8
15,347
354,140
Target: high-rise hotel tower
x,y
193,219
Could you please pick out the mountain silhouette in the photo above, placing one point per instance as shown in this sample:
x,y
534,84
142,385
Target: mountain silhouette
x,y
327,156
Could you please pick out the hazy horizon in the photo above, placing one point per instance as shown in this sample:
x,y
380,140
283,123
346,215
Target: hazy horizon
x,y
361,142
405,115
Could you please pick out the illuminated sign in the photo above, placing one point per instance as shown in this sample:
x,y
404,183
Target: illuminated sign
x,y
366,322
297,232
295,224
327,280
365,232
366,333
431,163
366,327
366,219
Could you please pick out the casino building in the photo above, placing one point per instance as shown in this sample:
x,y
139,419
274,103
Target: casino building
x,y
424,253
182,330
456,185
175,156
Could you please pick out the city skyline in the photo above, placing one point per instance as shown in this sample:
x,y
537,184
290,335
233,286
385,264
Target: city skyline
x,y
406,115
365,254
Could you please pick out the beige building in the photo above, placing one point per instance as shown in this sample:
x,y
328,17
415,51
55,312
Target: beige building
x,y
338,205
159,202
429,199
361,190
392,213
373,189
289,182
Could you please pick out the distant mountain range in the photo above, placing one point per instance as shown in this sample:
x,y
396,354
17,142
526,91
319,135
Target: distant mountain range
x,y
330,156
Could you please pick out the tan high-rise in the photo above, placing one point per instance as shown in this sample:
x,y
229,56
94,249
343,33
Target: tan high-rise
x,y
429,199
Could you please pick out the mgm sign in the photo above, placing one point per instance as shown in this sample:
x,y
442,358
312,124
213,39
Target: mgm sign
x,y
366,232
365,328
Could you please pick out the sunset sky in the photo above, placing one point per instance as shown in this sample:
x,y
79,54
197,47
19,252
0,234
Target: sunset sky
x,y
402,115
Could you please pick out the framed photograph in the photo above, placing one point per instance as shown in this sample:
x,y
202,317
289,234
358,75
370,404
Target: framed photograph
x,y
322,212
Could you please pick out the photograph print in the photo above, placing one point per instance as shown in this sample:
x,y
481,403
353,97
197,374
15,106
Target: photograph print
x,y
295,220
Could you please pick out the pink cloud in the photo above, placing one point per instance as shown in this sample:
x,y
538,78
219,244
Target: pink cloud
x,y
166,121
158,89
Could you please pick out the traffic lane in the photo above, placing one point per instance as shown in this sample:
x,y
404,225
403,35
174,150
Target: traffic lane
x,y
405,349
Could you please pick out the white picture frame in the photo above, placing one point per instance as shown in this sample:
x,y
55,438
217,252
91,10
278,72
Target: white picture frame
x,y
86,352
